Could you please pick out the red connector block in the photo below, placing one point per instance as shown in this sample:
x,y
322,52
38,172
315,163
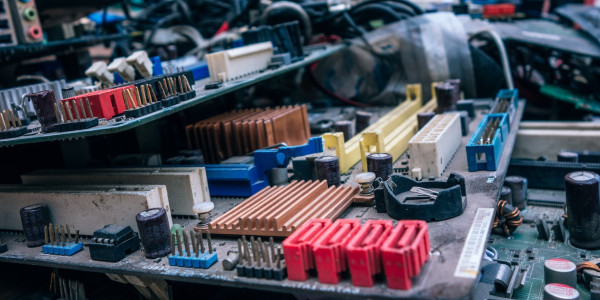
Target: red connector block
x,y
364,258
498,10
330,249
297,248
404,253
105,103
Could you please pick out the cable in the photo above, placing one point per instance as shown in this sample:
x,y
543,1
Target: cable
x,y
501,50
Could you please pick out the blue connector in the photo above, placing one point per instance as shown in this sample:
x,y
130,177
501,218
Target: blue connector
x,y
485,147
203,261
66,250
507,102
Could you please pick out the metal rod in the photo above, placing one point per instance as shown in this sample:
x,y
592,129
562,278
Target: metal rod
x,y
46,237
173,244
51,233
278,257
125,99
178,239
201,242
87,103
77,236
76,111
186,243
58,115
82,108
266,257
69,238
69,111
240,252
209,242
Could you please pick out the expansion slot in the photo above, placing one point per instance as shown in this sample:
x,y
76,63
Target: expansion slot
x,y
485,147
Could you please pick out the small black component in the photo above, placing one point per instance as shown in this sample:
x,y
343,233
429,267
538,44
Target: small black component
x,y
559,230
468,106
328,168
502,278
548,174
153,226
34,218
382,164
213,86
506,194
170,101
43,102
583,209
423,118
287,38
518,187
77,125
404,198
543,230
464,122
363,120
113,242
445,97
346,127
304,167
13,133
529,250
567,156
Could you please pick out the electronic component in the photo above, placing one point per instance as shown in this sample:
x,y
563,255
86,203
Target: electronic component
x,y
268,159
329,249
362,121
485,147
33,219
142,105
59,241
557,291
113,242
507,218
10,125
328,168
235,63
26,21
506,102
96,205
298,250
234,180
105,104
287,38
280,210
381,164
582,194
74,116
232,260
364,256
44,104
190,251
3,246
141,62
7,29
257,261
433,147
153,226
518,189
559,270
567,156
404,252
404,198
14,97
121,67
99,71
346,127
547,174
543,229
446,97
506,194
423,118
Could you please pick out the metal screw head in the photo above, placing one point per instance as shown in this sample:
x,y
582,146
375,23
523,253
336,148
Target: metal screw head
x,y
366,177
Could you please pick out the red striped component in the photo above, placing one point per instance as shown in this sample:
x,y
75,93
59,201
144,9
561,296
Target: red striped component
x,y
364,258
105,103
297,248
404,252
330,249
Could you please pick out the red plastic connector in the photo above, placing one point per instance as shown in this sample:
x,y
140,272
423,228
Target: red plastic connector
x,y
364,258
498,10
104,103
404,252
330,249
297,248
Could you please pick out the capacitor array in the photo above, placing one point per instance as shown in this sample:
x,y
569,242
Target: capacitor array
x,y
59,240
260,259
187,250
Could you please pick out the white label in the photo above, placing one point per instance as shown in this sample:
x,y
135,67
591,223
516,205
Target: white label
x,y
470,258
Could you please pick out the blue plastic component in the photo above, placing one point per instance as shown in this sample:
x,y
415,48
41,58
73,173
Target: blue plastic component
x,y
204,260
118,79
487,157
156,66
199,71
513,99
237,43
267,159
97,17
66,250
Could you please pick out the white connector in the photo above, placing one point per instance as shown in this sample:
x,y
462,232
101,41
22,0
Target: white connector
x,y
141,61
121,66
234,63
433,147
99,71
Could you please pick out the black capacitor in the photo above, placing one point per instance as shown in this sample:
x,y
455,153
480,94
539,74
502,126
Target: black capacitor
x,y
506,194
153,226
344,126
445,93
423,118
328,168
567,156
583,209
43,102
363,120
34,218
456,84
518,186
381,164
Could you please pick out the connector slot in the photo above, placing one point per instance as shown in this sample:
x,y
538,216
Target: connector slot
x,y
506,102
485,147
6,39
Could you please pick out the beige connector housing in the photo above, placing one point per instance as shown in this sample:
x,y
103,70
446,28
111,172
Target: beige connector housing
x,y
99,71
234,63
121,66
141,61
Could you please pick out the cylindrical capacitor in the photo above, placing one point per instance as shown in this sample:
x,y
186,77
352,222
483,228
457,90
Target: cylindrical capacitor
x,y
518,186
231,261
345,127
444,93
567,156
33,219
558,270
153,226
557,291
43,102
328,168
423,118
363,120
583,209
381,164
503,276
506,194
456,84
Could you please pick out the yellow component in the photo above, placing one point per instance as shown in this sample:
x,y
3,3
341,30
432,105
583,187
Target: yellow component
x,y
390,133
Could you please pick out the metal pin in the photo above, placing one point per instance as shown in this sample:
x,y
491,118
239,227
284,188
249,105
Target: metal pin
x,y
2,125
69,111
171,88
257,259
69,234
148,94
172,244
240,252
252,246
87,103
51,233
125,99
186,243
259,248
18,120
63,111
247,252
153,94
187,84
209,242
266,254
143,92
178,239
12,118
174,85
278,257
56,235
82,109
77,236
162,90
76,111
272,244
166,87
62,235
201,242
180,84
133,102
46,238
137,96
5,117
193,242
58,115
197,244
